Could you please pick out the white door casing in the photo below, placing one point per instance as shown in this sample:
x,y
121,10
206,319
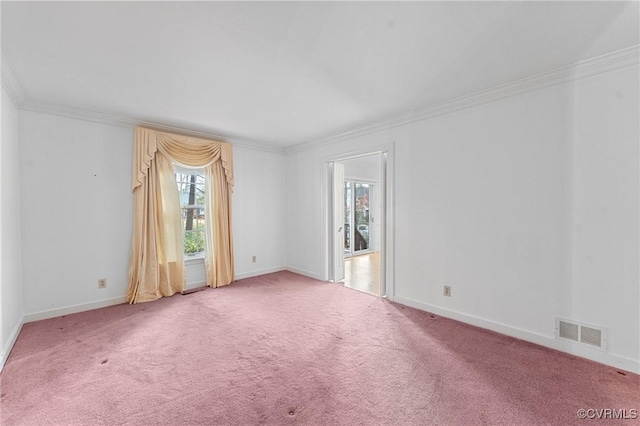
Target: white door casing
x,y
338,221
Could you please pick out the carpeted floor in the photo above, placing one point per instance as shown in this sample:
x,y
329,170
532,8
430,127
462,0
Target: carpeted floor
x,y
284,349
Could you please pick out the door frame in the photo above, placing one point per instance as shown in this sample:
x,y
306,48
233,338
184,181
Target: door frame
x,y
386,194
337,217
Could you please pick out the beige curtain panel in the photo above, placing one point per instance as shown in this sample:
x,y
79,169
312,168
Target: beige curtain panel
x,y
157,259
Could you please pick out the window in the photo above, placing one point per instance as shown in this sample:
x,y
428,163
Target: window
x,y
191,192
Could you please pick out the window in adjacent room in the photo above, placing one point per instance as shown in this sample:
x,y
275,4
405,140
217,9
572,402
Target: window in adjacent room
x,y
191,185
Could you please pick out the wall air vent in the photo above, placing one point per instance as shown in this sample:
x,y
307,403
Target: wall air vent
x,y
593,336
568,330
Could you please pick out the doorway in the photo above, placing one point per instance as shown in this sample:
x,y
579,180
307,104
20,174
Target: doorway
x,y
358,221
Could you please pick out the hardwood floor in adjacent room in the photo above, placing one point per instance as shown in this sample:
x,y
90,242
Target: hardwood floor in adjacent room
x,y
362,272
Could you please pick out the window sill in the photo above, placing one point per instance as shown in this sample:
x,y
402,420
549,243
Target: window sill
x,y
196,258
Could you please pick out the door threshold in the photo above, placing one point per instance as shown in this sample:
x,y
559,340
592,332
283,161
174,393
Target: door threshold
x,y
361,254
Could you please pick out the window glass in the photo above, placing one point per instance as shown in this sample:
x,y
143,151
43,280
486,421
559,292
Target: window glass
x,y
191,192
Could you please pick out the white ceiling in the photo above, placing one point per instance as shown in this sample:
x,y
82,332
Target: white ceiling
x,y
288,73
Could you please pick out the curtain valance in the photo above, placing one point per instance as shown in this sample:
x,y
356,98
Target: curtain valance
x,y
186,150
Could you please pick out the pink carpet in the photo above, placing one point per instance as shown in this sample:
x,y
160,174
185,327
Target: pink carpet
x,y
283,349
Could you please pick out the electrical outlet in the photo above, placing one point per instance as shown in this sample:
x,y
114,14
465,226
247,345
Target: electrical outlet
x,y
447,290
254,259
102,283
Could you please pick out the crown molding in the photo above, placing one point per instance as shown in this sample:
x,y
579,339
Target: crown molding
x,y
16,93
579,70
25,103
10,83
132,122
586,68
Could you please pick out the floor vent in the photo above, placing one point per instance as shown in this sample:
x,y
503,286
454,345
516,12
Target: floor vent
x,y
590,335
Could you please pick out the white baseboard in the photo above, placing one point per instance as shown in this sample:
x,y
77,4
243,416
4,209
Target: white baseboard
x,y
42,315
548,341
6,350
259,272
303,272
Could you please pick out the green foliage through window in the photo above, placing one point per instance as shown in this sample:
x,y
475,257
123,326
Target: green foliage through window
x,y
194,241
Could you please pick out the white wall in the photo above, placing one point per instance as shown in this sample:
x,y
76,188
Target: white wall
x,y
259,212
605,208
76,177
510,203
77,211
11,315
